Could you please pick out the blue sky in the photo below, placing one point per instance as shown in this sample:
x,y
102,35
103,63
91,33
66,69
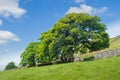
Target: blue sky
x,y
22,21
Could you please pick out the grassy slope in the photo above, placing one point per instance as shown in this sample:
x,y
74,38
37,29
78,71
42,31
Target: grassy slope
x,y
115,42
105,69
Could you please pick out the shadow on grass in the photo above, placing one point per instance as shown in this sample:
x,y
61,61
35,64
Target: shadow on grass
x,y
89,58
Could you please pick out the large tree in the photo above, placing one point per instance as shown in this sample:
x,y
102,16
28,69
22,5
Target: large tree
x,y
74,33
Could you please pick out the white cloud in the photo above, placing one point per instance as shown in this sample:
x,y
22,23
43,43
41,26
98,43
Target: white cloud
x,y
11,8
114,29
0,22
86,9
99,11
6,36
79,1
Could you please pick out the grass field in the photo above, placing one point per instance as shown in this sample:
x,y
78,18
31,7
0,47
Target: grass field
x,y
105,69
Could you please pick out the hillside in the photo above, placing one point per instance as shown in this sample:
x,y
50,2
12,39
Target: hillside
x,y
105,69
115,42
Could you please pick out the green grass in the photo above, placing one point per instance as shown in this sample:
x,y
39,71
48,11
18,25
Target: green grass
x,y
105,69
115,42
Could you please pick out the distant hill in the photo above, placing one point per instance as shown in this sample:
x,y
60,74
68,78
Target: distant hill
x,y
115,42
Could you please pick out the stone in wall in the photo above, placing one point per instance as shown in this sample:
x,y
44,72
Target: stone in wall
x,y
77,58
107,54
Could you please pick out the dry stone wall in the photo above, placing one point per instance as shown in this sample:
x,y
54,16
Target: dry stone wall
x,y
107,54
77,58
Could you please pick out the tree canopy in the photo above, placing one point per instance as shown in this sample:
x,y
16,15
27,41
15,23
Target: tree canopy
x,y
29,55
10,66
74,33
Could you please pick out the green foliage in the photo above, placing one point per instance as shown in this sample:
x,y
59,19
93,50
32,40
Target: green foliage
x,y
114,44
10,66
105,69
29,55
83,50
71,34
